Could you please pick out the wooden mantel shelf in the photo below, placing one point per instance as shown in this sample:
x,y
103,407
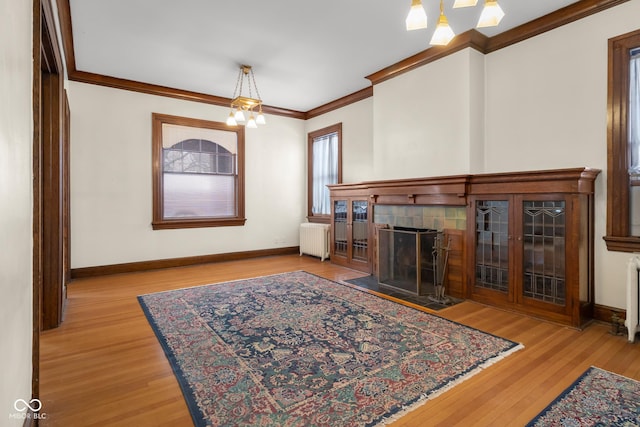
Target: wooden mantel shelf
x,y
453,190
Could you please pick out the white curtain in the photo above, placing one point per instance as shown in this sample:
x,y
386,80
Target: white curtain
x,y
325,171
634,113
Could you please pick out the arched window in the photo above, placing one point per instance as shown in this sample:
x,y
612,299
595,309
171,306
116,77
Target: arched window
x,y
198,181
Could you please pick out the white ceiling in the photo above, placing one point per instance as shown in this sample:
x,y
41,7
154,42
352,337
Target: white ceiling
x,y
304,53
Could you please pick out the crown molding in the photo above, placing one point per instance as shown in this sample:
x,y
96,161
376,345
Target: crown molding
x,y
131,85
470,39
553,20
341,102
476,40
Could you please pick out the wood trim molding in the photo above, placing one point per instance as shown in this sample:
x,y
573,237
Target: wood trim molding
x,y
604,313
66,31
556,19
159,221
151,89
471,38
37,201
618,236
134,267
341,102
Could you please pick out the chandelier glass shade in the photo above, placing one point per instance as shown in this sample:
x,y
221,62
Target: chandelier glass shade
x,y
417,17
241,104
464,3
443,33
491,15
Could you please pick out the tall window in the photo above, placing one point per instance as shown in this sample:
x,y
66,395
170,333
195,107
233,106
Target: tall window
x,y
623,166
324,168
197,173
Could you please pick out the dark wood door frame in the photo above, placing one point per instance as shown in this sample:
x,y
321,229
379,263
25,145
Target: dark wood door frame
x,y
50,181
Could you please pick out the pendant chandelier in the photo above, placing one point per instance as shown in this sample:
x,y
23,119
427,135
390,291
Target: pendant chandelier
x,y
241,105
417,18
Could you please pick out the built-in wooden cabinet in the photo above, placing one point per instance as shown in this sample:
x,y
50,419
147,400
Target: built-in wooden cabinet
x,y
528,243
350,229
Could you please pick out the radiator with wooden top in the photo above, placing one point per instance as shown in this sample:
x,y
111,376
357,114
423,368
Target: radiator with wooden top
x,y
314,239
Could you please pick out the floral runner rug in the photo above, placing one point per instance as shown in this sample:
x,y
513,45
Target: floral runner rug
x,y
295,349
597,398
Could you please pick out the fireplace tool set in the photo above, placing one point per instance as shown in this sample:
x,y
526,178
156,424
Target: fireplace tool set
x,y
440,257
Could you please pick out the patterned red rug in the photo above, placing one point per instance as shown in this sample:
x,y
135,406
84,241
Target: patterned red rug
x,y
295,349
597,398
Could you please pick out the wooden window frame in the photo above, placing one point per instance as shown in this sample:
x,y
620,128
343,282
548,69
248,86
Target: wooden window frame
x,y
161,223
336,128
618,236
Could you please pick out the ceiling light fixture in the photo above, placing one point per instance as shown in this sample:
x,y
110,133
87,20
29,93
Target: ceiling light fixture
x,y
464,3
491,14
246,104
443,33
417,18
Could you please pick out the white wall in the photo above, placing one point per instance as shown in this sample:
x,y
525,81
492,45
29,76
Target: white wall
x,y
16,236
357,138
426,121
111,181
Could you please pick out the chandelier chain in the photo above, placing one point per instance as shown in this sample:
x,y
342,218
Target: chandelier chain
x,y
238,84
253,79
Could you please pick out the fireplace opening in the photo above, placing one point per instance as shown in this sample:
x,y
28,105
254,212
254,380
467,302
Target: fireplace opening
x,y
412,260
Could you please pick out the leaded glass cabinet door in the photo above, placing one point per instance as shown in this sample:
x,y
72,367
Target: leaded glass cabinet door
x,y
350,233
339,229
492,250
360,231
543,242
543,250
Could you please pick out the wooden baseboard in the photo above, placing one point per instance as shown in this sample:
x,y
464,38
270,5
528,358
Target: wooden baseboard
x,y
604,313
132,267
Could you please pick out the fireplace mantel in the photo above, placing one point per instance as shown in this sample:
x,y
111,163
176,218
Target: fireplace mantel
x,y
453,190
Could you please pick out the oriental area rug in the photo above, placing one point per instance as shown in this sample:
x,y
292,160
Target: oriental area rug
x,y
298,350
597,398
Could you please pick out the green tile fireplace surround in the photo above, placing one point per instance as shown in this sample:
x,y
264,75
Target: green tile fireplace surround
x,y
428,217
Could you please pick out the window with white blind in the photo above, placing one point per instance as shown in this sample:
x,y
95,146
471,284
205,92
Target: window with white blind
x,y
198,173
324,168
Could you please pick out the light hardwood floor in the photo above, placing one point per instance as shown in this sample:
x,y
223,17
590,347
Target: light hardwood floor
x,y
104,366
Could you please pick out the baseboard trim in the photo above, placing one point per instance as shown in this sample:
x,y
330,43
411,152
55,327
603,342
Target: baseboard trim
x,y
604,313
133,267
